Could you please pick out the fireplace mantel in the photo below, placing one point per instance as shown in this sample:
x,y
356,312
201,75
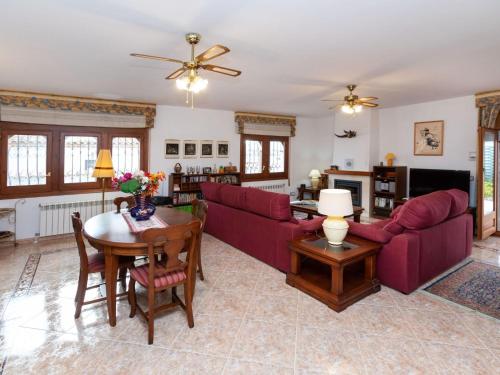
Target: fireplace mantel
x,y
349,172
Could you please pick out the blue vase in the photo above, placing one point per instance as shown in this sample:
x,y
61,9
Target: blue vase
x,y
143,209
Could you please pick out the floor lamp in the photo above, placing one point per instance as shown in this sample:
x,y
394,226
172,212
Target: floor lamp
x,y
103,169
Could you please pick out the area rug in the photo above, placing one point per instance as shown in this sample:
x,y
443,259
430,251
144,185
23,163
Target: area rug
x,y
475,285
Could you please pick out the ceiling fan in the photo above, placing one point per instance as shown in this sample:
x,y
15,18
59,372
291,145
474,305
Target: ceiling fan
x,y
192,82
352,103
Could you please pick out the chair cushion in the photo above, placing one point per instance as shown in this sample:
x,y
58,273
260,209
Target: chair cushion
x,y
459,202
96,262
140,274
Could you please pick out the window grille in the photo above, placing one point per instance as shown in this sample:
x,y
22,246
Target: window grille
x,y
26,160
80,154
126,153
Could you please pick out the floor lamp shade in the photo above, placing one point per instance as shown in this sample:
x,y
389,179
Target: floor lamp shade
x,y
335,203
104,165
103,169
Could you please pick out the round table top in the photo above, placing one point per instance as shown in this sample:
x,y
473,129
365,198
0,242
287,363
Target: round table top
x,y
111,229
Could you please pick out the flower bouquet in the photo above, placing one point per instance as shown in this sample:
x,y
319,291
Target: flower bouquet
x,y
142,185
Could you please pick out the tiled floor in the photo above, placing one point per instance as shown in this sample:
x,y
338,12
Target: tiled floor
x,y
247,321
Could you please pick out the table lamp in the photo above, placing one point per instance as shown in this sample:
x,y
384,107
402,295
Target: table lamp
x,y
315,175
335,203
390,159
103,169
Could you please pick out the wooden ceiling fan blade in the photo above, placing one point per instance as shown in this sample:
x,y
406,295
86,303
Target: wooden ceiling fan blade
x,y
159,58
212,53
368,104
176,74
222,70
367,98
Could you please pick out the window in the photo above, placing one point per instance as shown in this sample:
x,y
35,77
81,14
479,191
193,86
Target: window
x,y
263,157
50,160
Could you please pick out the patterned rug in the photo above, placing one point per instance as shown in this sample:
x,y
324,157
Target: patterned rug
x,y
475,285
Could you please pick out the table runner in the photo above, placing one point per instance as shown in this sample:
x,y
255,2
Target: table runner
x,y
140,226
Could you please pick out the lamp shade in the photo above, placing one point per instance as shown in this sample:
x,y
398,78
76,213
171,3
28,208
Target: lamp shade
x,y
104,165
335,202
314,173
390,155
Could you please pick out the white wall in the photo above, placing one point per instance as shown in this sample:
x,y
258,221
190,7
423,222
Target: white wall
x,y
311,148
460,137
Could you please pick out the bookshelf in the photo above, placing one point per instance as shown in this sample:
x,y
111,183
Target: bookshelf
x,y
389,186
183,188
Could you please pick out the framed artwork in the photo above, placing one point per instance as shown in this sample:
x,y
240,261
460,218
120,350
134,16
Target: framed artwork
x,y
172,148
428,138
222,149
206,149
189,149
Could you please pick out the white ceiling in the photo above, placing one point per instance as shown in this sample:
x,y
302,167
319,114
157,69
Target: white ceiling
x,y
292,53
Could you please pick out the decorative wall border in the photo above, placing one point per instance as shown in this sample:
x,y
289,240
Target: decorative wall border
x,y
261,118
78,104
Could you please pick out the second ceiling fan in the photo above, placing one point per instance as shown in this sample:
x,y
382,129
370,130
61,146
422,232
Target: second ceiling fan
x,y
192,82
353,103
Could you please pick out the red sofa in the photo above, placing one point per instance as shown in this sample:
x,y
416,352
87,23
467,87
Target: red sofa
x,y
423,238
255,221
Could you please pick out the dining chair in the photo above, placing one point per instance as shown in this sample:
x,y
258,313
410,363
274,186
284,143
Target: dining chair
x,y
130,200
200,209
92,263
169,273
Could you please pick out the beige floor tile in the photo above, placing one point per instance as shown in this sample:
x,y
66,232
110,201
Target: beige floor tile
x,y
453,360
315,313
382,298
225,302
265,342
485,328
385,321
236,282
273,308
273,282
385,355
240,367
441,327
422,301
328,351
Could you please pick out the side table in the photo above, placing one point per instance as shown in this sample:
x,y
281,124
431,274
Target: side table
x,y
336,276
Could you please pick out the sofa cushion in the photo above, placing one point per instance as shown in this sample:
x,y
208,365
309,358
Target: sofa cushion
x,y
396,211
232,196
273,205
393,227
370,232
210,191
459,202
425,211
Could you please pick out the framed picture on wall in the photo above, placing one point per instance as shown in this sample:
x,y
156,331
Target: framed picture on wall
x,y
172,148
206,149
189,149
428,138
222,149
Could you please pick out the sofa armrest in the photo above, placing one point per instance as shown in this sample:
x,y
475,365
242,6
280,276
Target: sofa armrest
x,y
370,232
286,231
398,262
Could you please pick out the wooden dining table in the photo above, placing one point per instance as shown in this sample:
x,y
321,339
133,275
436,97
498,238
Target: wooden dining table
x,y
110,233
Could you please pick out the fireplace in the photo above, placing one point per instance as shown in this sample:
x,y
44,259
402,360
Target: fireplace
x,y
353,186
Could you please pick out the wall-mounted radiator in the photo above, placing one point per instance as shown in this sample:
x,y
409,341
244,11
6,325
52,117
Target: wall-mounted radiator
x,y
56,218
268,186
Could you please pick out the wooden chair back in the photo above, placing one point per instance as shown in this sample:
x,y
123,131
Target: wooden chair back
x,y
77,228
200,209
130,200
174,239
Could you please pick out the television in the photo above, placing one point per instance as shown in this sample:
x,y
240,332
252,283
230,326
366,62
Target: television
x,y
424,181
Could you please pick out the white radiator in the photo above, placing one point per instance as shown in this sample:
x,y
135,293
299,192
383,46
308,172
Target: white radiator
x,y
275,188
56,218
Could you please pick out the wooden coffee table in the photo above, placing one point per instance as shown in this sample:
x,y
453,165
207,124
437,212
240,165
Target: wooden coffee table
x,y
337,276
313,211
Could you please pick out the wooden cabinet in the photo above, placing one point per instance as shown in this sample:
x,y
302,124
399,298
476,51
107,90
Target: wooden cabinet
x,y
389,186
183,188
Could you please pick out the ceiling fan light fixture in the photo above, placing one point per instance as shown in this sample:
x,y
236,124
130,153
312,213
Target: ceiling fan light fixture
x,y
346,108
191,83
358,108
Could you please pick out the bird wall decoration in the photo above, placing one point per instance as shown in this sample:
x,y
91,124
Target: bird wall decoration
x,y
347,134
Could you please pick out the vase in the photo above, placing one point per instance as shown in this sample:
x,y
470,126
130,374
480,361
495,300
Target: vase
x,y
143,209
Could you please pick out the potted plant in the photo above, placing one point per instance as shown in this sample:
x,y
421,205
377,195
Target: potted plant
x,y
142,185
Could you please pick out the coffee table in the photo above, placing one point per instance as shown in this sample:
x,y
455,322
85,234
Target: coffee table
x,y
336,276
313,211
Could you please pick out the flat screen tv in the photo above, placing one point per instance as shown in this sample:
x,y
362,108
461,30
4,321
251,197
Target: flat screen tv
x,y
424,181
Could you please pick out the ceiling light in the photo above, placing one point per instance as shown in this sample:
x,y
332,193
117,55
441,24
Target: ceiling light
x,y
346,108
358,108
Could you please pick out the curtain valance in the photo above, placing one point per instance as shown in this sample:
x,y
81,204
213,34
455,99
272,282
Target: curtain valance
x,y
489,108
265,124
74,111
